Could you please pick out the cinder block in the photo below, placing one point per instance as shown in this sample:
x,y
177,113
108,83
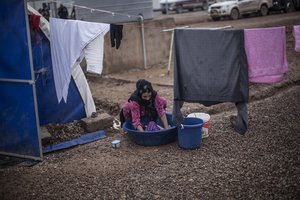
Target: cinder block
x,y
44,133
100,122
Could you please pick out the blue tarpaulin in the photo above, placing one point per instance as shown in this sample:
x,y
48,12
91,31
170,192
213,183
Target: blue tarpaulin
x,y
28,96
89,137
18,119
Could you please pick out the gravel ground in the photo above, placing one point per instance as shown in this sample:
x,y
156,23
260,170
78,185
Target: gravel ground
x,y
263,164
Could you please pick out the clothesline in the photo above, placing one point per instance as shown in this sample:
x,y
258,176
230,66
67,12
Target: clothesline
x,y
114,14
100,10
140,17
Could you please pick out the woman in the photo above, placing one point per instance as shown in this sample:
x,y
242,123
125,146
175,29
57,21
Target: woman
x,y
144,103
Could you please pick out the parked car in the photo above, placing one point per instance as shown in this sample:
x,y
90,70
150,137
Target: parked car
x,y
235,8
209,2
285,5
180,5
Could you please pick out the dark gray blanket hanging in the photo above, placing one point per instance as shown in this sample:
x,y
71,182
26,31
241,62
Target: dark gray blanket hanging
x,y
211,67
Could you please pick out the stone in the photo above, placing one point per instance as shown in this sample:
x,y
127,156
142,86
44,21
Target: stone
x,y
100,122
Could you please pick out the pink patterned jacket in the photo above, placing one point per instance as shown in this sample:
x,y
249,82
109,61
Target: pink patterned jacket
x,y
132,110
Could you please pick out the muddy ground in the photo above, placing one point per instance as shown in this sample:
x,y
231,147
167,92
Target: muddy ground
x,y
263,164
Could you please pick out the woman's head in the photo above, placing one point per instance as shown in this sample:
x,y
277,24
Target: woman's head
x,y
144,89
144,93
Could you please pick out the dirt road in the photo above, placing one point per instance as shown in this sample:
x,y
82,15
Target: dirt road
x,y
263,164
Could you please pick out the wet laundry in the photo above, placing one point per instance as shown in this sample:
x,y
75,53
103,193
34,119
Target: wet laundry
x,y
210,67
68,40
94,53
266,54
116,35
34,22
296,33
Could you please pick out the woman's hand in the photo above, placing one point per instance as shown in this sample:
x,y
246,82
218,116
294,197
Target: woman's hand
x,y
140,128
164,120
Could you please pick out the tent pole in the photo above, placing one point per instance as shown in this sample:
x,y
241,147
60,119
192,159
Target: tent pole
x,y
33,81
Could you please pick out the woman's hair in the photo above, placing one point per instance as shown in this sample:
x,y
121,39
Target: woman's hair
x,y
143,86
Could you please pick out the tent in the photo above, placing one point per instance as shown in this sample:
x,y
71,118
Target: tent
x,y
28,97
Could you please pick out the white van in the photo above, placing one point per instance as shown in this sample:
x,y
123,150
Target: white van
x,y
180,5
235,8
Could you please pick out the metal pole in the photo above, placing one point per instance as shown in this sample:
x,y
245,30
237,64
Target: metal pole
x,y
53,8
170,52
167,7
32,81
143,41
171,46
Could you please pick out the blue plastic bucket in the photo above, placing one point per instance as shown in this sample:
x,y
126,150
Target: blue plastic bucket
x,y
189,133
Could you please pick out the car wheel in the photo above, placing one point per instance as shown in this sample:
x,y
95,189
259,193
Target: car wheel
x,y
179,9
289,7
216,18
234,14
264,10
164,11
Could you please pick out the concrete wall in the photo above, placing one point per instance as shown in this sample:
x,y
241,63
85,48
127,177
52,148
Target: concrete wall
x,y
130,53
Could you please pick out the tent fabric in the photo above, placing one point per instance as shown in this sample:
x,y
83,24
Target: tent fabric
x,y
50,111
83,139
18,117
18,127
13,42
80,101
266,54
210,68
68,39
296,29
29,96
84,91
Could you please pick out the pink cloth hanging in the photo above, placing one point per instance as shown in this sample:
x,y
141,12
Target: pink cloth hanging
x,y
34,21
296,34
266,53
